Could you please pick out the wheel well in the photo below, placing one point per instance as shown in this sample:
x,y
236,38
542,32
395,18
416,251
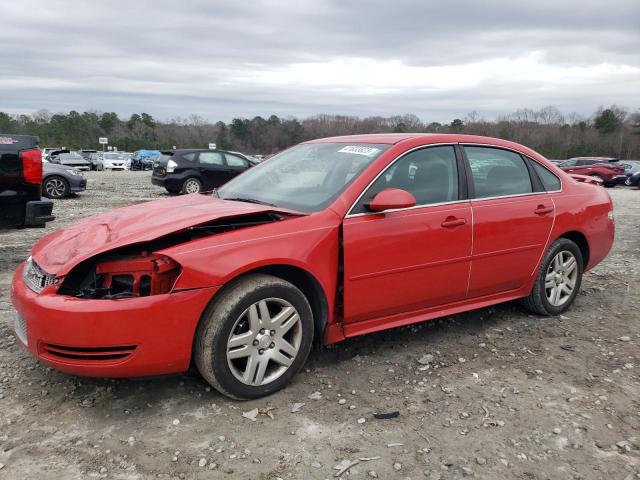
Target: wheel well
x,y
580,240
309,286
53,175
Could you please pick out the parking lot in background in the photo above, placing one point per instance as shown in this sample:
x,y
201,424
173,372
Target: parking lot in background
x,y
476,393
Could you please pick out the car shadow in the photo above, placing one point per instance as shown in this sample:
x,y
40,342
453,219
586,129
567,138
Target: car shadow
x,y
121,397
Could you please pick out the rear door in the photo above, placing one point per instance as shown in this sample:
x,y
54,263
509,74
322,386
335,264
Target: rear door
x,y
512,220
236,164
213,170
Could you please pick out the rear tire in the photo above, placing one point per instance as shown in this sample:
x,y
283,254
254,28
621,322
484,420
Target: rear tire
x,y
192,185
558,281
254,337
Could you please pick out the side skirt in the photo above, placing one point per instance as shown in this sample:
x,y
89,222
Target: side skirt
x,y
341,331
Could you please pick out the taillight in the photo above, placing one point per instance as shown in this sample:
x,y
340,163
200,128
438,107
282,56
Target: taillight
x,y
32,166
171,166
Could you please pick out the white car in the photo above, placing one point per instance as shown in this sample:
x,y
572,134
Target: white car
x,y
47,150
114,161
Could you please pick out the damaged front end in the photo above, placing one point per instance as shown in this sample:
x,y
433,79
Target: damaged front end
x,y
138,270
122,276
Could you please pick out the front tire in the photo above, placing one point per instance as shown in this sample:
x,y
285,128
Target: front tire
x,y
254,337
55,187
558,281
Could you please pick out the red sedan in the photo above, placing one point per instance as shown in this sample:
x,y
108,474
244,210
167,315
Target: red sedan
x,y
330,239
608,170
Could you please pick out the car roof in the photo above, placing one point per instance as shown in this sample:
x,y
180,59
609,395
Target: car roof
x,y
385,138
200,150
428,138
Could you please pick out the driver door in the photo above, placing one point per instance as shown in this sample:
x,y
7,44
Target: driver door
x,y
414,258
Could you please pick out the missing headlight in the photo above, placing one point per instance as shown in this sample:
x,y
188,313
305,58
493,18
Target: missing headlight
x,y
123,277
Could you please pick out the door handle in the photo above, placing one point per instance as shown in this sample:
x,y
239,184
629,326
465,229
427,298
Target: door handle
x,y
543,210
452,222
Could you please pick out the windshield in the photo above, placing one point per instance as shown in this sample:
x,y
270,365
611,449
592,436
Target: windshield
x,y
70,156
307,177
113,156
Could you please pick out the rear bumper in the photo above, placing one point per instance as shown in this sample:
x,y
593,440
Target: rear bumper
x,y
158,181
168,182
108,338
619,179
38,212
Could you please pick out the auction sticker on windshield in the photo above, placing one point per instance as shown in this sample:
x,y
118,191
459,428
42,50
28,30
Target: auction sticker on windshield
x,y
359,150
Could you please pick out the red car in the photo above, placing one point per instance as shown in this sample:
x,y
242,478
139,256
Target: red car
x,y
327,240
601,168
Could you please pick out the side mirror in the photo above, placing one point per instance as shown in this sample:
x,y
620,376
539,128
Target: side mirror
x,y
391,198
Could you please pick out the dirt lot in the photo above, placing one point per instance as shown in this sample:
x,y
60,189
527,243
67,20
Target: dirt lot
x,y
505,394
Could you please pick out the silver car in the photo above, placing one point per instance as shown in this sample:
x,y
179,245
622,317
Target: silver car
x,y
114,161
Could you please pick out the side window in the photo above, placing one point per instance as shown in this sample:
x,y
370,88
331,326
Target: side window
x,y
210,158
189,156
429,174
548,179
497,172
235,161
568,163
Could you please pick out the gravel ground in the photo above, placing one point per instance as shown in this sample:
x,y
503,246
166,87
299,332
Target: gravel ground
x,y
495,394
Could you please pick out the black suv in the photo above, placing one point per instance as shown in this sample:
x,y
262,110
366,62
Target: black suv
x,y
193,171
21,203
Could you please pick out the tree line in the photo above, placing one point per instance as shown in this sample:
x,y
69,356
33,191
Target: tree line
x,y
611,131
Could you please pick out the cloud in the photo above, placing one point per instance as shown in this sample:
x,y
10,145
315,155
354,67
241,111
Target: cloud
x,y
224,59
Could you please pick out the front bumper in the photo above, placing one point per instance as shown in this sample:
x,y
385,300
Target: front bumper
x,y
109,338
77,185
115,166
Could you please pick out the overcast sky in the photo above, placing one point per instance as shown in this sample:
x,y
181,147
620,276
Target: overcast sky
x,y
219,60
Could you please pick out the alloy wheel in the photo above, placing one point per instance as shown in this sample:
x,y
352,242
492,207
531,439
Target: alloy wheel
x,y
264,341
192,186
560,280
55,187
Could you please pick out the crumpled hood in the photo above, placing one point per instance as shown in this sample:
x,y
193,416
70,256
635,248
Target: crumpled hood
x,y
58,252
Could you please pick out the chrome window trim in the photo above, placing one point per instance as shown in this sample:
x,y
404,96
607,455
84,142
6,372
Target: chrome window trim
x,y
474,199
364,190
490,145
515,195
415,207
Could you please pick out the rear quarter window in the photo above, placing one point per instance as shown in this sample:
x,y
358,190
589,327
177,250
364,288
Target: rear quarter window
x,y
548,179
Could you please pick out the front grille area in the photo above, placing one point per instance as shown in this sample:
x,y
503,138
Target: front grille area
x,y
35,278
20,327
87,354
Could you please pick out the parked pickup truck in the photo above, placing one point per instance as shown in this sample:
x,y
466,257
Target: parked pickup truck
x,y
21,203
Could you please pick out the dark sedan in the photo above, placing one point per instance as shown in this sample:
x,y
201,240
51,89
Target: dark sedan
x,y
631,167
633,180
70,159
59,181
193,171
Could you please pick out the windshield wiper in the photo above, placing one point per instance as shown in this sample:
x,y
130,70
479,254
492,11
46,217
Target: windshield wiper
x,y
250,200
